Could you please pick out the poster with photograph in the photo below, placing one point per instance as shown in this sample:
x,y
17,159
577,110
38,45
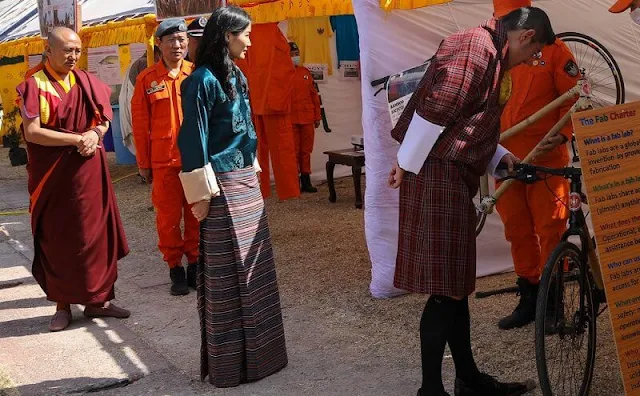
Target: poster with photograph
x,y
137,51
318,71
166,9
104,63
54,13
350,70
34,60
401,86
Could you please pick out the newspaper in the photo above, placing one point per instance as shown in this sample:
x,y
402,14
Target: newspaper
x,y
401,86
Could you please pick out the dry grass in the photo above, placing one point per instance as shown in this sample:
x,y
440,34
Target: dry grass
x,y
323,267
8,172
179,8
324,272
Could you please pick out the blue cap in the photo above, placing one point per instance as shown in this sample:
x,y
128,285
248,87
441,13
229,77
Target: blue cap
x,y
171,26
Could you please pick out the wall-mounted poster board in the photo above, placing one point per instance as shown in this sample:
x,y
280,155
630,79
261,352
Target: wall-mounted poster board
x,y
609,146
187,9
104,63
54,13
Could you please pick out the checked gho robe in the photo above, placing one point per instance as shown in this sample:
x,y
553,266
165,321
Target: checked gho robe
x,y
460,91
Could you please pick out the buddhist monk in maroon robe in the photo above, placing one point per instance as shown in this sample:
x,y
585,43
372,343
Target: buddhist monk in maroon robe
x,y
77,232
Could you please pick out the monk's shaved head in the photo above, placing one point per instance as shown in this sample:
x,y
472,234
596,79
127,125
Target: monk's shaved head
x,y
60,36
64,49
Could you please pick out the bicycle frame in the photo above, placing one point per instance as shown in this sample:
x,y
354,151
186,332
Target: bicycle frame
x,y
578,227
582,88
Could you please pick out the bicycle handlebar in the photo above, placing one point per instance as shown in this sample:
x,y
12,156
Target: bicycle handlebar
x,y
379,81
528,172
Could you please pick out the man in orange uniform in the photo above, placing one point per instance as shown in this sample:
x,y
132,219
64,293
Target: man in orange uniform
x,y
270,73
156,110
623,5
535,215
305,118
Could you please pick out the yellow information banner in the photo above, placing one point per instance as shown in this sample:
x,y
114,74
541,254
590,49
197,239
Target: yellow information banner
x,y
609,145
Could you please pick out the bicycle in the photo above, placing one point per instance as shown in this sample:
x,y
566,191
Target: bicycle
x,y
568,265
601,72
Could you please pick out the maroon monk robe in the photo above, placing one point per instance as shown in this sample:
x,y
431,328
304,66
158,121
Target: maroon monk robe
x,y
75,221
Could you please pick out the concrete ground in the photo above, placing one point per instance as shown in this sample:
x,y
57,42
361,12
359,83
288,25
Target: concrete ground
x,y
156,350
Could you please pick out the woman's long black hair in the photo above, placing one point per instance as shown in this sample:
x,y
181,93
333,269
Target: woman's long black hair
x,y
213,50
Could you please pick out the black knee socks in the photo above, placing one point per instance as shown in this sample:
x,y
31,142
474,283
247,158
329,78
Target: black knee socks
x,y
435,324
445,320
459,339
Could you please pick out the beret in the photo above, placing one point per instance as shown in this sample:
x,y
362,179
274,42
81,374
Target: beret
x,y
196,27
171,26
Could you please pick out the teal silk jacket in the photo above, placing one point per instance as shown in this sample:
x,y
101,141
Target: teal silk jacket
x,y
215,129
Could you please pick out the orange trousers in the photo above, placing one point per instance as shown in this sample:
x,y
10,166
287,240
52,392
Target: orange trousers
x,y
171,205
275,141
303,136
534,217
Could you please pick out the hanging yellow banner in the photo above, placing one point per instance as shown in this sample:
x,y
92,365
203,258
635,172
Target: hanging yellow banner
x,y
266,11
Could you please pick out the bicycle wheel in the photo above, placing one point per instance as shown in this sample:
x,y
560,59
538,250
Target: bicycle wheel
x,y
565,327
601,69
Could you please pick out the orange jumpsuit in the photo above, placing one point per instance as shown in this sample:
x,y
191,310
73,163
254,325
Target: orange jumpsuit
x,y
156,111
305,112
535,215
269,71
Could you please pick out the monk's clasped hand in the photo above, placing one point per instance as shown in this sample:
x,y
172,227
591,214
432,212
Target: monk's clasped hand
x,y
88,143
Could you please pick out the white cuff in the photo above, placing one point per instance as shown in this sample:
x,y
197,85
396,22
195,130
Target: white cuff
x,y
495,161
199,184
420,138
256,165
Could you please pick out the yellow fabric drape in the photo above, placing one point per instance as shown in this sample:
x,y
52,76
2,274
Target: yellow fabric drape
x,y
124,53
266,11
389,5
285,9
10,77
138,30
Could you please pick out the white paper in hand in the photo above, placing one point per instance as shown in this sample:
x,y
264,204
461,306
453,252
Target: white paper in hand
x,y
420,138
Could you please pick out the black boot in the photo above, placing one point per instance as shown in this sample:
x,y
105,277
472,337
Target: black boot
x,y
485,385
192,273
305,184
179,285
525,312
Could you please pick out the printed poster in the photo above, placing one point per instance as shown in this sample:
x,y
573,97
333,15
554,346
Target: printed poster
x,y
319,72
608,141
137,50
350,70
34,60
104,63
54,13
401,86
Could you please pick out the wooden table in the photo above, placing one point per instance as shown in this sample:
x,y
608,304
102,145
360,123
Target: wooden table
x,y
350,157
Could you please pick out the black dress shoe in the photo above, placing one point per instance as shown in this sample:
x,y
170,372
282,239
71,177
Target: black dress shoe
x,y
179,285
192,273
486,385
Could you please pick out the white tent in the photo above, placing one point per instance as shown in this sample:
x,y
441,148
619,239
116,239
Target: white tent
x,y
390,43
15,13
92,11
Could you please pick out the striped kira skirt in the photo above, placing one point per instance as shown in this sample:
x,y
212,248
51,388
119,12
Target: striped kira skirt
x,y
238,300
